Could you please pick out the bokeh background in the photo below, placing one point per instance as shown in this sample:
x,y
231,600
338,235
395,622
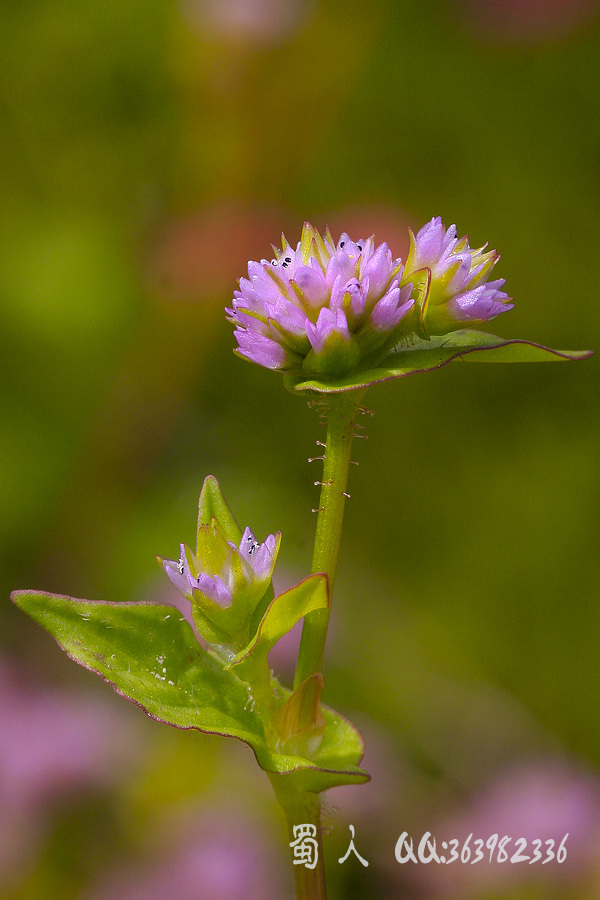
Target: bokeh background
x,y
149,149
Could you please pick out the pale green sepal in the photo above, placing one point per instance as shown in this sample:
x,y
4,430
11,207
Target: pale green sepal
x,y
319,250
421,282
412,252
306,240
149,654
282,614
212,550
219,640
212,505
419,356
339,354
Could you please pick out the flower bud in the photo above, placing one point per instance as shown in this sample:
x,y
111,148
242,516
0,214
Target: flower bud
x,y
225,579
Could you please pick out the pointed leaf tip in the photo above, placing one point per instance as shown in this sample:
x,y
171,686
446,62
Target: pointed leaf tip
x,y
419,356
212,505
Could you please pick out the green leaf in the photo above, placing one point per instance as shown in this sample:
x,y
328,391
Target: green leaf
x,y
335,762
149,654
284,611
423,356
212,505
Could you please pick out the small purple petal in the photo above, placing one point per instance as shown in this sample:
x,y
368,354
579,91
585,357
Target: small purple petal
x,y
256,271
482,303
378,269
311,282
286,314
327,323
178,573
431,242
339,266
246,320
392,308
337,294
367,251
248,545
260,349
215,589
352,249
357,294
462,275
497,284
260,557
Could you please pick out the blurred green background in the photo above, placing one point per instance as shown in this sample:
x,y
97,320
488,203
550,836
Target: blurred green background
x,y
149,149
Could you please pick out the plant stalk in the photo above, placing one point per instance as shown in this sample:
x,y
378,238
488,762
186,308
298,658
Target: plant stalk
x,y
303,809
341,414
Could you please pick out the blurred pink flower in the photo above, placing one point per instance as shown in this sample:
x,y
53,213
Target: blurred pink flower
x,y
533,20
539,799
259,21
222,858
228,234
52,742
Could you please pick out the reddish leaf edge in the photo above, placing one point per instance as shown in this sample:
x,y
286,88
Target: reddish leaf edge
x,y
309,767
296,384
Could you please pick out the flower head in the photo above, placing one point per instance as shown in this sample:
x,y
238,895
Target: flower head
x,y
321,309
455,289
225,581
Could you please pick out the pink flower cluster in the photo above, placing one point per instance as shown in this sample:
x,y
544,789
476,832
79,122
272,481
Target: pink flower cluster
x,y
328,310
322,307
249,563
459,292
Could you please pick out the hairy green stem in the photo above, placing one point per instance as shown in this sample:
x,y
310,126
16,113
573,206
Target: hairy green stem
x,y
341,413
302,810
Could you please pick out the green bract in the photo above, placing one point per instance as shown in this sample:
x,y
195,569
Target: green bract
x,y
418,356
281,616
212,505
